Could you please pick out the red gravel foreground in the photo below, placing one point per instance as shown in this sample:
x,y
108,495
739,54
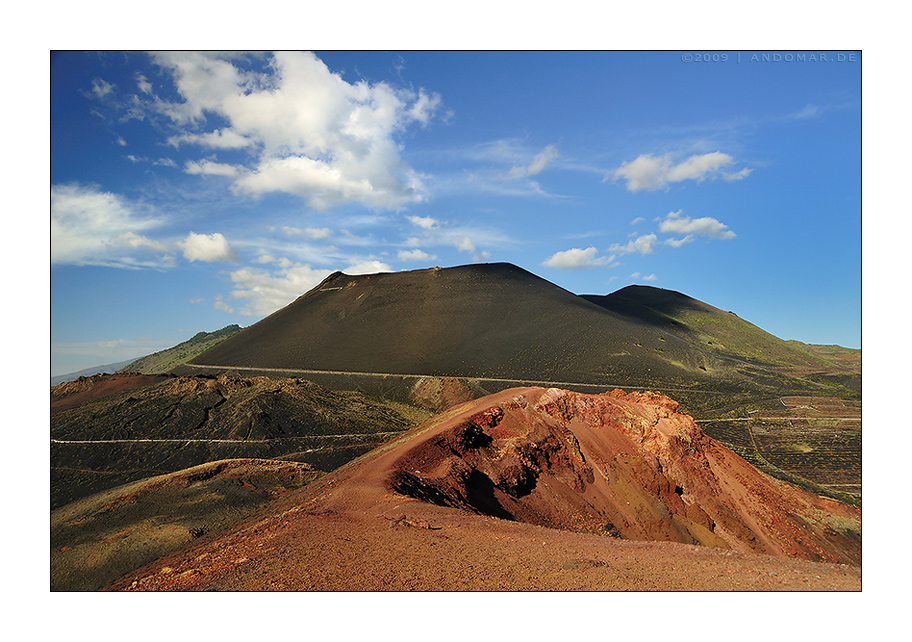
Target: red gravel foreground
x,y
414,546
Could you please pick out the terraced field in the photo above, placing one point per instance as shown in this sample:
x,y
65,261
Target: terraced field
x,y
814,439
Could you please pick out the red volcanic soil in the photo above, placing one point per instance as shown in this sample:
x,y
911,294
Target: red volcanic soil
x,y
534,489
85,389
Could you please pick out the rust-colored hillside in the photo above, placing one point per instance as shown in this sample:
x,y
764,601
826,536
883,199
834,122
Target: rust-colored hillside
x,y
535,488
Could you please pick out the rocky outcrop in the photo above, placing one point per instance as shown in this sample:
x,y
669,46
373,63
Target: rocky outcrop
x,y
622,465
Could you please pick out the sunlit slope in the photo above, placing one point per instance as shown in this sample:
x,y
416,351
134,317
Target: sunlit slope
x,y
714,330
165,360
492,320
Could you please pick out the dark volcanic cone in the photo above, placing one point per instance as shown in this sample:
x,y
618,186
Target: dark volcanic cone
x,y
494,320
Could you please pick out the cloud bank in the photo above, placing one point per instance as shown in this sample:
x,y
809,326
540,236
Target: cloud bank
x,y
306,130
92,227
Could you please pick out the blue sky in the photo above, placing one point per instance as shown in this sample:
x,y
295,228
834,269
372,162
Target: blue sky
x,y
190,191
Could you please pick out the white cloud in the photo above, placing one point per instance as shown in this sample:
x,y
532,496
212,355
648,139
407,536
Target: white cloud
x,y
737,176
464,244
642,244
636,276
424,107
221,305
93,227
414,255
809,111
217,139
143,83
309,232
698,167
101,88
576,258
504,167
677,223
638,219
679,242
425,222
541,160
211,168
465,238
314,134
133,240
370,266
266,292
209,248
651,173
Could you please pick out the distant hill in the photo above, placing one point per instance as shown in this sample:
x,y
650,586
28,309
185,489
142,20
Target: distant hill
x,y
163,361
88,372
498,321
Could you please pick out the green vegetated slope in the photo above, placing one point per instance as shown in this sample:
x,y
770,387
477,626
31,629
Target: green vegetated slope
x,y
185,421
714,330
165,360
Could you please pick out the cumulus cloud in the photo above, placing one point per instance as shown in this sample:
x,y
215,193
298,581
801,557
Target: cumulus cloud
x,y
636,276
642,244
311,133
464,244
209,248
652,173
677,223
369,266
90,226
576,258
414,255
425,222
266,291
